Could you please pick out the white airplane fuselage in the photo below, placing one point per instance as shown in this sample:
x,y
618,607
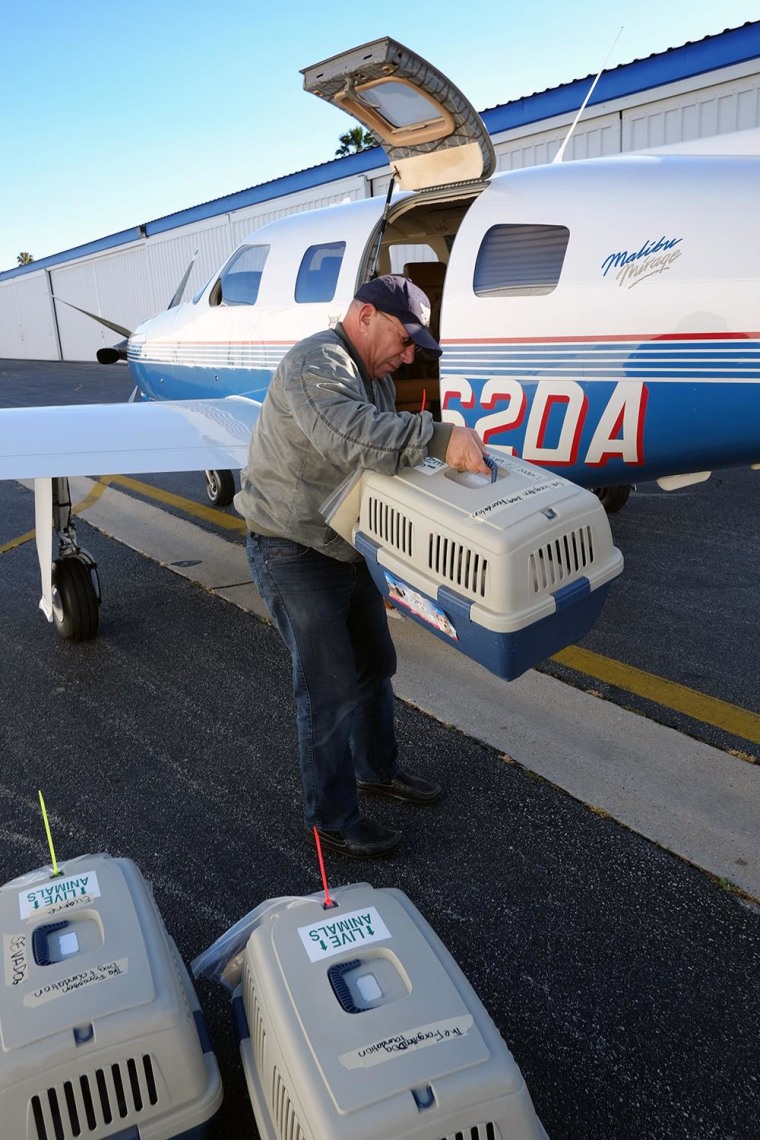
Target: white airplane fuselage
x,y
641,360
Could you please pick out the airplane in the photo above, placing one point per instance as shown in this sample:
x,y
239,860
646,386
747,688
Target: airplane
x,y
596,316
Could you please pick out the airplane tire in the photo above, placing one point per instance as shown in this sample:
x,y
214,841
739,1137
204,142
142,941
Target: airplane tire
x,y
220,488
75,602
612,498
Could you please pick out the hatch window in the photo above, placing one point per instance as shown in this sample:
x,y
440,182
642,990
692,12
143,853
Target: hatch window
x,y
241,276
520,261
403,106
318,275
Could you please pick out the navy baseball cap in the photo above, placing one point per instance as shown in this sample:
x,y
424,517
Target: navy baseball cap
x,y
403,299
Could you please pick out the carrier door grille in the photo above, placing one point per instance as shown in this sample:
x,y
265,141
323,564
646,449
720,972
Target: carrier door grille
x,y
458,564
390,526
477,1132
559,560
255,1023
283,1113
112,1095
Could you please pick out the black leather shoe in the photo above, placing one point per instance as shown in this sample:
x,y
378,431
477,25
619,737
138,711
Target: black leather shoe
x,y
405,786
363,840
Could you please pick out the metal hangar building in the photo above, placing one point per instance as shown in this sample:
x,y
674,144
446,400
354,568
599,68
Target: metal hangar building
x,y
703,96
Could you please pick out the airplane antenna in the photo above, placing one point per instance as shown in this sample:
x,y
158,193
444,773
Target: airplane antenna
x,y
328,903
559,155
56,870
383,223
181,287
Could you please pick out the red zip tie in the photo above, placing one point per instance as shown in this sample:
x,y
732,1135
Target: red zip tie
x,y
328,901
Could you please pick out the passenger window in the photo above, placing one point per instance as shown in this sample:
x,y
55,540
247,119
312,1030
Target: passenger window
x,y
241,277
520,261
318,274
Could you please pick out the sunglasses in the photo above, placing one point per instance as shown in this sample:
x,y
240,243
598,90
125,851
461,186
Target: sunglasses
x,y
406,341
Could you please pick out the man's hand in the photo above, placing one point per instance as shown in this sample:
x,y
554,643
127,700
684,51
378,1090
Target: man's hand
x,y
465,451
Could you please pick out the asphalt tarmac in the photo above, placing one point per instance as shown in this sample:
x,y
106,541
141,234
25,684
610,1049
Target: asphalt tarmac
x,y
624,980
685,610
623,977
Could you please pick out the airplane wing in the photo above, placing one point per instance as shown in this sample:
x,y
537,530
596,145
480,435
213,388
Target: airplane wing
x,y
125,439
47,444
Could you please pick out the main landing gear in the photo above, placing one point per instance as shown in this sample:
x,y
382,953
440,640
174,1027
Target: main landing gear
x,y
613,498
220,488
75,586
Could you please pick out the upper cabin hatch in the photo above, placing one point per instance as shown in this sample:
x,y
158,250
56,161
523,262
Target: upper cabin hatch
x,y
432,135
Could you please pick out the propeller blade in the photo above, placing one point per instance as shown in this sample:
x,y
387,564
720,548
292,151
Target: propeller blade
x,y
101,320
181,287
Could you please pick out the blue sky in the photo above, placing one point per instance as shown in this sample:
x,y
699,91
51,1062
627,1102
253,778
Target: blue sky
x,y
118,112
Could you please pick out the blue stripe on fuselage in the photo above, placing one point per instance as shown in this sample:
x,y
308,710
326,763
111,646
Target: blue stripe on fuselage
x,y
685,425
158,381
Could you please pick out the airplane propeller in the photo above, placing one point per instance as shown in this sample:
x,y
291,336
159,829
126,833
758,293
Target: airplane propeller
x,y
118,351
115,352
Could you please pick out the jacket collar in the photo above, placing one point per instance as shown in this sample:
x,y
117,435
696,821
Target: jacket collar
x,y
366,378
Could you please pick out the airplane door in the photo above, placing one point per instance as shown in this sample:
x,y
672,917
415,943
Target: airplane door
x,y
431,133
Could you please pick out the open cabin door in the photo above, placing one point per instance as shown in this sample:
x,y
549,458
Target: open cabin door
x,y
432,135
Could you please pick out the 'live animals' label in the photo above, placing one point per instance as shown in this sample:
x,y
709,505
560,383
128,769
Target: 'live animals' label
x,y
55,893
325,939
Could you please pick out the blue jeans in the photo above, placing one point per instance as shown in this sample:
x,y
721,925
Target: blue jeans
x,y
332,618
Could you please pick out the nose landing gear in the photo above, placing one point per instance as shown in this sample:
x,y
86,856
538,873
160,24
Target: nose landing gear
x,y
220,488
613,498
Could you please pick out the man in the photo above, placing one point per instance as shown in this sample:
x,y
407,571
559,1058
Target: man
x,y
329,411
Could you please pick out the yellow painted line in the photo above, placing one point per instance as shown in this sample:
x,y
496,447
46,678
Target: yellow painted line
x,y
209,514
22,538
708,710
90,498
187,506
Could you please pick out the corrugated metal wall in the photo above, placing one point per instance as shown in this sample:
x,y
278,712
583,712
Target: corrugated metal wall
x,y
131,283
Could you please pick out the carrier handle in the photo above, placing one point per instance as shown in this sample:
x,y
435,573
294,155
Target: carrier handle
x,y
41,944
340,985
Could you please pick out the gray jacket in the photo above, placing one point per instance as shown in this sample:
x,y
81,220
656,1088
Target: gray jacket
x,y
322,418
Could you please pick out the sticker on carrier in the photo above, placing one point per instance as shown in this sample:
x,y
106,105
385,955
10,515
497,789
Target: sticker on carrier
x,y
401,594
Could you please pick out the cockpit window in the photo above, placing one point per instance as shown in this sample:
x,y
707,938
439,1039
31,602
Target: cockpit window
x,y
318,275
520,261
241,277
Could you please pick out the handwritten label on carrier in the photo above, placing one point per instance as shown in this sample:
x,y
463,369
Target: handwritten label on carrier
x,y
87,977
15,959
349,931
407,1042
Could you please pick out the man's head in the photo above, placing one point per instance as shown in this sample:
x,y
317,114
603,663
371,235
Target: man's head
x,y
387,320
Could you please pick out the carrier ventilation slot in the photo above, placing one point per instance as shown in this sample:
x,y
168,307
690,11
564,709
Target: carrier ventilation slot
x,y
390,526
459,565
256,1023
95,1100
559,560
477,1132
182,984
283,1113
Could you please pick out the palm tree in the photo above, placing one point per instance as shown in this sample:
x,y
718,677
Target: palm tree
x,y
355,140
25,259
